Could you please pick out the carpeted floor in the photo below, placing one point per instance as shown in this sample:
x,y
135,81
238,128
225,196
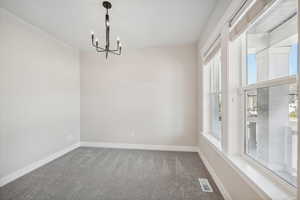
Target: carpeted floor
x,y
114,174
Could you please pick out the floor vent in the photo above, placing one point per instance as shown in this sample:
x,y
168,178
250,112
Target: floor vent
x,y
205,186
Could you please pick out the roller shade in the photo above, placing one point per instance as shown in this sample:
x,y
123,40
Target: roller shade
x,y
212,51
242,21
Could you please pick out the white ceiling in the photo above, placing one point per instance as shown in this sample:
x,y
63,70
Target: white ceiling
x,y
139,23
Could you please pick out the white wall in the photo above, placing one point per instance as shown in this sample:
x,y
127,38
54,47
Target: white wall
x,y
234,183
39,87
147,96
212,23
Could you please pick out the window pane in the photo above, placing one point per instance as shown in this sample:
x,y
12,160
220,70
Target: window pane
x,y
215,96
252,68
271,131
272,44
293,59
216,115
215,73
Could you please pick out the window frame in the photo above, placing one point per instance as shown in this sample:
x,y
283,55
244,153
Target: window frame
x,y
211,93
283,80
231,147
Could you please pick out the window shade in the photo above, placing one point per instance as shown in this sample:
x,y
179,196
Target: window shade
x,y
212,51
246,19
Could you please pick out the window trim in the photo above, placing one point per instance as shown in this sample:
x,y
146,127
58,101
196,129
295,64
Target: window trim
x,y
245,167
269,173
283,80
217,90
241,156
212,140
272,82
292,79
263,182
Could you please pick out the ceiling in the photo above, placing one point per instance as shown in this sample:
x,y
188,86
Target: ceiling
x,y
139,23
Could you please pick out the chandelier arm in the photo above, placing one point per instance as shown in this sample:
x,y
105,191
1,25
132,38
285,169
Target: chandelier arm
x,y
93,41
97,47
102,50
110,51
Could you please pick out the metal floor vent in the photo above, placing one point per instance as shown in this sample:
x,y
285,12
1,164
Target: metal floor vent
x,y
205,186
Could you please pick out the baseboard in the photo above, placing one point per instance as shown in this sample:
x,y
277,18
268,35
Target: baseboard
x,y
21,172
215,177
140,146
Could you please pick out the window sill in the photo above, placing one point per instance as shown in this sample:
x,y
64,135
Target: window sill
x,y
213,141
262,183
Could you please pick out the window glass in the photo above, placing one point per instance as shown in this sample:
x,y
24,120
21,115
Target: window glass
x,y
271,112
272,44
251,70
293,59
216,99
271,131
215,102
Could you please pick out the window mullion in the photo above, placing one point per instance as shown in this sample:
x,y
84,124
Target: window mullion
x,y
273,82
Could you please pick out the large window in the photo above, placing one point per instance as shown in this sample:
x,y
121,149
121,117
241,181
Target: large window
x,y
271,91
214,96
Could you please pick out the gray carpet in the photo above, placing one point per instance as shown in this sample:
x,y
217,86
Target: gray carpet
x,y
114,174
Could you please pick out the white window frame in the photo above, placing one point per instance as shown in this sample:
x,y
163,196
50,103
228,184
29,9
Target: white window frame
x,y
209,93
216,90
231,147
284,80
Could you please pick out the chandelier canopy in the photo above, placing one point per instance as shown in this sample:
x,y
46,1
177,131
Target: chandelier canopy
x,y
95,43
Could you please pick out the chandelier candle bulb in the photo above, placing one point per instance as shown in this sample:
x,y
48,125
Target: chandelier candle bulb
x,y
118,42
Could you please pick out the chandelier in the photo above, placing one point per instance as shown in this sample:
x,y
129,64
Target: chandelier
x,y
95,43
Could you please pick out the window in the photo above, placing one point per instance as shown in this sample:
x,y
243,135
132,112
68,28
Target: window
x,y
214,101
271,91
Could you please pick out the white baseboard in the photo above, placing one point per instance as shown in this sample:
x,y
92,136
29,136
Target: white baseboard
x,y
215,177
140,146
21,172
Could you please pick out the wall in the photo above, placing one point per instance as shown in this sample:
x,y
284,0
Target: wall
x,y
235,185
147,96
212,23
39,87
